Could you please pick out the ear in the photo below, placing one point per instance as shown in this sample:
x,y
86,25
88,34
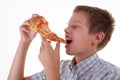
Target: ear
x,y
98,38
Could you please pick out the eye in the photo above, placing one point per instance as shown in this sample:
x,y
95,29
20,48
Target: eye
x,y
74,26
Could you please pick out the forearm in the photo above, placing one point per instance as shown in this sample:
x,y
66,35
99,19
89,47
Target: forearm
x,y
17,68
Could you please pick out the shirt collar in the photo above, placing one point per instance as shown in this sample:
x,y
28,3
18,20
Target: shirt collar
x,y
85,64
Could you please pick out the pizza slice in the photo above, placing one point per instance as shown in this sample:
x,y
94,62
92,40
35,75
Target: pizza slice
x,y
40,25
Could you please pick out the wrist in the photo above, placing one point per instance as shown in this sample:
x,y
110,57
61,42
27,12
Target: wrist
x,y
25,41
53,74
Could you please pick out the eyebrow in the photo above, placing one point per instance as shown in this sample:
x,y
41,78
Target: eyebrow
x,y
75,21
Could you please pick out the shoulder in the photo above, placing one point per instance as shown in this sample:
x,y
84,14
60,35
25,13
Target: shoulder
x,y
111,67
113,71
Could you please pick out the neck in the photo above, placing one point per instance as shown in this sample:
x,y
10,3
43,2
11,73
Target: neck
x,y
79,58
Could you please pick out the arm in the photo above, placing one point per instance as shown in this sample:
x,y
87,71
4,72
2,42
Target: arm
x,y
50,59
17,68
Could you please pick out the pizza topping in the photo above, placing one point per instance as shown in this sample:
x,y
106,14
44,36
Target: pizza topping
x,y
40,25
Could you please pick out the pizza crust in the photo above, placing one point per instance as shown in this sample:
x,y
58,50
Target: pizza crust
x,y
40,25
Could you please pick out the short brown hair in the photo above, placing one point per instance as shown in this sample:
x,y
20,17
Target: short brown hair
x,y
99,20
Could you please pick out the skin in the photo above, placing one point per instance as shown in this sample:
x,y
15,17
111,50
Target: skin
x,y
17,68
48,56
50,59
83,45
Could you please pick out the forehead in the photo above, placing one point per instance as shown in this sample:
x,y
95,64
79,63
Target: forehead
x,y
78,17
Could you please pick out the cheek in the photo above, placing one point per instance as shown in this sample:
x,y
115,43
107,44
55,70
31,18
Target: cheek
x,y
78,43
82,41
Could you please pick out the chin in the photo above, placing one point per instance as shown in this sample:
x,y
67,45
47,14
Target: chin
x,y
69,52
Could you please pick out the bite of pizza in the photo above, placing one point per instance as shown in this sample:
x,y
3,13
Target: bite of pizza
x,y
40,25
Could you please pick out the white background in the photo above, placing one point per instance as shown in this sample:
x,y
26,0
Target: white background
x,y
14,12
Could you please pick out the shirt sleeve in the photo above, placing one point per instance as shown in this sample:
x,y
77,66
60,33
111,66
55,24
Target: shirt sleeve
x,y
39,76
112,77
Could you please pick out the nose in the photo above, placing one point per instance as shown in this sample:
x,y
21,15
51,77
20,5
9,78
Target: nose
x,y
66,30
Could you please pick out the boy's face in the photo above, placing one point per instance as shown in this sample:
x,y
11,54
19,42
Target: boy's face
x,y
79,41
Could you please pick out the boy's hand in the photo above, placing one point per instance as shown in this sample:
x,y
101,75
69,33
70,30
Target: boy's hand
x,y
49,57
26,33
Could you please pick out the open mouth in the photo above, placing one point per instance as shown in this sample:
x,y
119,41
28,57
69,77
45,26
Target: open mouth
x,y
68,41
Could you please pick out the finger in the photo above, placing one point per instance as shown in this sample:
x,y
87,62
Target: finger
x,y
26,22
42,46
42,38
35,15
24,28
45,42
57,51
57,48
49,41
41,50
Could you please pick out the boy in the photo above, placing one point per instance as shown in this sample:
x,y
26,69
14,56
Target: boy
x,y
89,30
